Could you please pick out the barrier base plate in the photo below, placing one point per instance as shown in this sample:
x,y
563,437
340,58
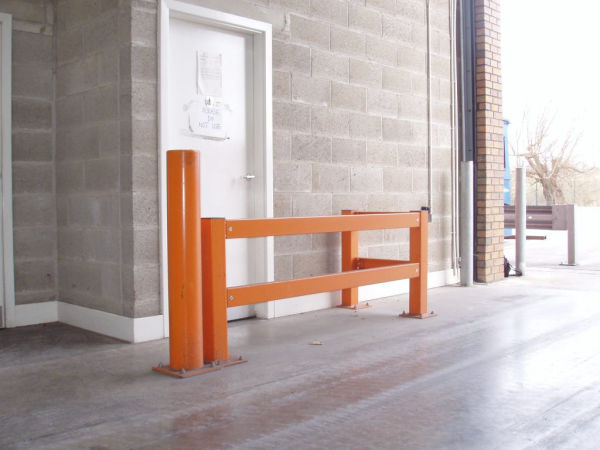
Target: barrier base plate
x,y
355,307
406,315
206,368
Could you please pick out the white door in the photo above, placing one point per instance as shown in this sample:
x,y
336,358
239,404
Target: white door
x,y
210,107
2,131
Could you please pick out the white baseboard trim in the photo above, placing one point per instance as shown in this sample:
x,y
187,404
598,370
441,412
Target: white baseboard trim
x,y
34,314
124,328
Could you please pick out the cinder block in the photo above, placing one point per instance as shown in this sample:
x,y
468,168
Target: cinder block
x,y
291,57
328,65
306,147
34,242
292,177
282,204
412,155
382,102
76,143
26,297
366,179
283,267
440,66
285,245
397,236
105,244
330,123
309,31
143,27
77,76
145,173
29,145
37,275
315,263
365,126
383,202
353,201
32,80
102,174
388,6
371,237
397,80
327,241
310,90
412,10
397,179
31,113
419,180
397,30
348,151
442,136
310,204
147,290
412,59
281,85
108,66
348,97
381,51
108,138
100,33
382,154
29,47
291,116
397,130
93,210
74,243
32,177
330,178
145,208
69,45
349,42
384,252
412,107
144,100
110,284
365,73
364,19
27,10
301,6
101,103
70,176
34,210
335,11
144,63
282,145
144,138
62,214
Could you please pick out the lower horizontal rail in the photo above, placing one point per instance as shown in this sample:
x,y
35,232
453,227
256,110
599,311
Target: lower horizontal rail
x,y
371,263
262,292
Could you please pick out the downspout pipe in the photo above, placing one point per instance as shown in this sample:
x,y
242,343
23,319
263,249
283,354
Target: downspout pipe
x,y
429,125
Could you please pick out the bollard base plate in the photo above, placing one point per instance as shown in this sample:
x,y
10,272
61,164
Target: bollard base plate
x,y
355,307
206,368
406,315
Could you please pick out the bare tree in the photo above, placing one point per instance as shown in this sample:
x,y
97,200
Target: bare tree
x,y
551,160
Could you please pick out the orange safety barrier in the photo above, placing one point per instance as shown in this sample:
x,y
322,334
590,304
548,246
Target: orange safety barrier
x,y
217,297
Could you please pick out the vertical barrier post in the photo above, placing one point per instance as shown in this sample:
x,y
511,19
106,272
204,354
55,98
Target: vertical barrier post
x,y
185,270
520,219
214,290
349,254
417,301
571,235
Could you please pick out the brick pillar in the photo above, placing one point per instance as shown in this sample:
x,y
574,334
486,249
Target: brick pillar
x,y
489,143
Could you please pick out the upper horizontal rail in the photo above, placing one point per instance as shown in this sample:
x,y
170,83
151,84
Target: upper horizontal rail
x,y
281,226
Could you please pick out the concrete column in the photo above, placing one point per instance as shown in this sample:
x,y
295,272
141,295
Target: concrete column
x,y
571,224
520,218
466,221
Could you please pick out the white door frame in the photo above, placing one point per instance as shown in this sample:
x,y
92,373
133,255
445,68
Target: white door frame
x,y
7,279
263,124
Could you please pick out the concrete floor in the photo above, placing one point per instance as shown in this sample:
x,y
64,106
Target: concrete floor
x,y
515,364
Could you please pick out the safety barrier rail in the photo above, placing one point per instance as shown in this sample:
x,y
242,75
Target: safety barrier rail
x,y
199,296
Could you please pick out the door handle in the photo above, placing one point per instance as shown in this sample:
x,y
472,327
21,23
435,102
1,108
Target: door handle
x,y
249,177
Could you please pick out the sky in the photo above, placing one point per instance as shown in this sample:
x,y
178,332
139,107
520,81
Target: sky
x,y
551,62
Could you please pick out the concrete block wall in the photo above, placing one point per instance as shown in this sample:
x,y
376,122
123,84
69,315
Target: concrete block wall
x,y
34,202
350,120
90,142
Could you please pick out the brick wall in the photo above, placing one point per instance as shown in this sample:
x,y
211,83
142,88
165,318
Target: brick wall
x,y
34,203
489,143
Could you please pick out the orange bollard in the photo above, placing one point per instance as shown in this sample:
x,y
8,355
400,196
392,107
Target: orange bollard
x,y
185,267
